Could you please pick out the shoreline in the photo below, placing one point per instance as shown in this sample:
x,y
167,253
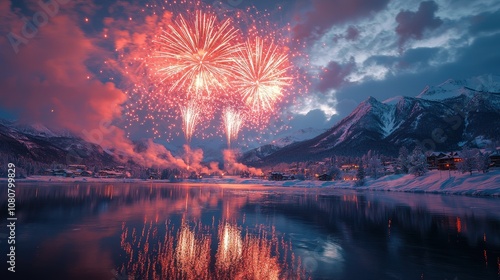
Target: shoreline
x,y
435,182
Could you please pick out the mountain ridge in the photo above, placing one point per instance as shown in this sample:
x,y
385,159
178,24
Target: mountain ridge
x,y
460,116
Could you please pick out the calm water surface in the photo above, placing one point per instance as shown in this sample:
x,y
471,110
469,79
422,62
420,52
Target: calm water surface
x,y
166,231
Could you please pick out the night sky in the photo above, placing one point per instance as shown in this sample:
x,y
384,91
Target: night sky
x,y
356,49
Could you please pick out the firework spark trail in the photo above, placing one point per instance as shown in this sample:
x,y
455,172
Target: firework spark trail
x,y
199,56
190,118
262,75
233,121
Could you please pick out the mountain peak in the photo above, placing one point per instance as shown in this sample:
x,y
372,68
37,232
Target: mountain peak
x,y
372,100
452,88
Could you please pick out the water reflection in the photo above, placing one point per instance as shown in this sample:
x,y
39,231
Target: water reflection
x,y
148,231
230,247
185,253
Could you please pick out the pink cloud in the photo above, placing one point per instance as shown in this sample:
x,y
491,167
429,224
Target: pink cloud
x,y
334,75
232,165
48,80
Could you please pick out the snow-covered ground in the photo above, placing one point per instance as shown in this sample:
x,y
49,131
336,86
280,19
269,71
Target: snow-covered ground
x,y
433,182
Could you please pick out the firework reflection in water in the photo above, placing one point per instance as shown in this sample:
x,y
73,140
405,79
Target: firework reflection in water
x,y
185,253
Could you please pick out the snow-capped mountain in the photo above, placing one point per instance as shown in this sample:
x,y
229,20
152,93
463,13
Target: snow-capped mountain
x,y
37,143
38,129
287,138
454,88
443,118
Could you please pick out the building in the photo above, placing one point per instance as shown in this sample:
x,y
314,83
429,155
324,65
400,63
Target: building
x,y
63,173
433,158
495,158
106,173
349,167
325,177
86,173
276,176
448,161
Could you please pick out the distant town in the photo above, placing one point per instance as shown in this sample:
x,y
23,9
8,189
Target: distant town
x,y
333,168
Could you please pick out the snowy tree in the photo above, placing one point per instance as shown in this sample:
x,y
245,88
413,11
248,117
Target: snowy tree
x,y
360,175
403,160
483,162
468,162
374,167
418,162
335,172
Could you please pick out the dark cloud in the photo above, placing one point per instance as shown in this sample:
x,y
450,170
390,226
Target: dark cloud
x,y
485,22
333,76
410,60
478,59
326,13
352,33
418,58
413,24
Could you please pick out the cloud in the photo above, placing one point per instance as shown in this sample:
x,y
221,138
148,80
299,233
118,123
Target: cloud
x,y
413,24
313,118
352,33
326,13
416,59
232,166
478,59
48,80
485,22
334,75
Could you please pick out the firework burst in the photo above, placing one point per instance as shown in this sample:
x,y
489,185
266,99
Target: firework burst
x,y
199,55
262,75
183,69
233,121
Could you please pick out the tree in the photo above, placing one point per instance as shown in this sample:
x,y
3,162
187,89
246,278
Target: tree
x,y
374,167
418,162
335,173
360,175
403,160
468,163
483,162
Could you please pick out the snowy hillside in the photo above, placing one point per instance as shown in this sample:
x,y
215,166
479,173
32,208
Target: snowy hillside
x,y
37,143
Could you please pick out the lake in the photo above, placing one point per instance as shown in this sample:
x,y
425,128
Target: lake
x,y
176,231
